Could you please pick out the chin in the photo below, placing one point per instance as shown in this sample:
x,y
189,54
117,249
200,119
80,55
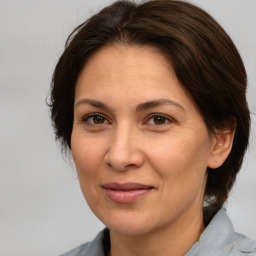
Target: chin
x,y
129,224
127,229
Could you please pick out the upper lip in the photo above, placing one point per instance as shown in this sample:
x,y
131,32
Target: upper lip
x,y
126,186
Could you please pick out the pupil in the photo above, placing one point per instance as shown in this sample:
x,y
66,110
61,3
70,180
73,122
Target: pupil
x,y
98,119
159,120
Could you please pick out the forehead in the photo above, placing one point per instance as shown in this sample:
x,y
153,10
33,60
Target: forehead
x,y
117,60
129,73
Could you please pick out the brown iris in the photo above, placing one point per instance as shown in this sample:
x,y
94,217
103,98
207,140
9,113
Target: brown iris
x,y
159,120
98,120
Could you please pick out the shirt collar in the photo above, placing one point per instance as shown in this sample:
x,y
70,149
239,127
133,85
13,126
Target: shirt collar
x,y
219,235
218,238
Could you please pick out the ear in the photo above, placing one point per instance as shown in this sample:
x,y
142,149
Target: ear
x,y
221,148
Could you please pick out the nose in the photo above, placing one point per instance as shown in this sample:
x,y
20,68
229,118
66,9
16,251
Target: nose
x,y
124,151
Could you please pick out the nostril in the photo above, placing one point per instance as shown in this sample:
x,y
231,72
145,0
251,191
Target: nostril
x,y
123,155
123,165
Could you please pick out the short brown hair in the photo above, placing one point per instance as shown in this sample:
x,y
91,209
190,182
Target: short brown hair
x,y
202,55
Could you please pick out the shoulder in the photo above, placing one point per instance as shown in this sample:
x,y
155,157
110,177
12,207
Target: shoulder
x,y
96,247
244,245
240,244
219,238
80,250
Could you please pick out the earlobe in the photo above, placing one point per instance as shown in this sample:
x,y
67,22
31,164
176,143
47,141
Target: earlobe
x,y
222,145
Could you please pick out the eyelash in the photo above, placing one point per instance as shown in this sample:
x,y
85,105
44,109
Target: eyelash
x,y
167,119
86,118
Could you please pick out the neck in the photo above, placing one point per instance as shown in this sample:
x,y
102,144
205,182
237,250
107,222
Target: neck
x,y
173,240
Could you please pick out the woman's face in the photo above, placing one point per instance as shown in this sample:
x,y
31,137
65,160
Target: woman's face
x,y
139,144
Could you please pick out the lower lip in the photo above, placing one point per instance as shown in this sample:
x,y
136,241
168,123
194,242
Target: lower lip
x,y
129,196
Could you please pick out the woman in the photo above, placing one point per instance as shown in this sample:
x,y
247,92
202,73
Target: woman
x,y
150,99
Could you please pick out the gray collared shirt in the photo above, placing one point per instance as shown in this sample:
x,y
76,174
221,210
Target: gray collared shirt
x,y
218,239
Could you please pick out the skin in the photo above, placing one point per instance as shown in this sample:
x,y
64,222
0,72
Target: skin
x,y
127,145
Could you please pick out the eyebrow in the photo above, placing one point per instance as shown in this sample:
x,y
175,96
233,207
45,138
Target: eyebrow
x,y
141,107
156,103
94,103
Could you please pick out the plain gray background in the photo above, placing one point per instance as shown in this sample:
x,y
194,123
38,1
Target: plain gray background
x,y
42,211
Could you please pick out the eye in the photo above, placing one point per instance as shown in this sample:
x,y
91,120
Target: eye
x,y
95,119
159,120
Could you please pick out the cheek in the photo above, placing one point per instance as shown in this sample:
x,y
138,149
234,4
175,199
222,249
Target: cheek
x,y
173,153
88,156
181,162
87,153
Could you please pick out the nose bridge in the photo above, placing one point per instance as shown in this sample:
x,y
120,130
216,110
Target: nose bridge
x,y
122,136
124,149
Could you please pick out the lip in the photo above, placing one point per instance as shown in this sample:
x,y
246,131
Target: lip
x,y
127,192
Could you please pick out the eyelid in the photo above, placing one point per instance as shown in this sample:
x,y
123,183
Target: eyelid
x,y
168,118
85,118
